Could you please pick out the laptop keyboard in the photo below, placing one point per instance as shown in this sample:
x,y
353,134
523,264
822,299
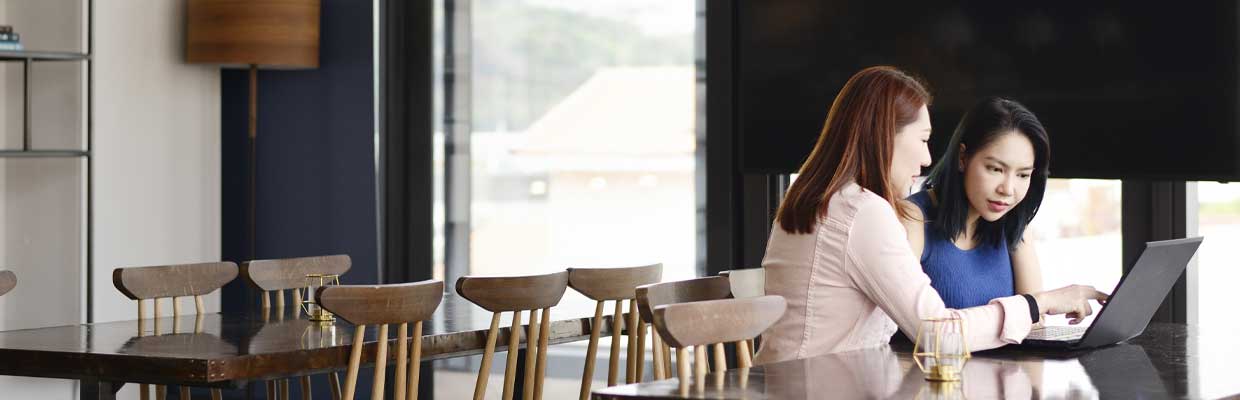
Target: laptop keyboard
x,y
1058,333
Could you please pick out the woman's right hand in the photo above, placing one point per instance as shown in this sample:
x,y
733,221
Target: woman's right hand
x,y
1072,300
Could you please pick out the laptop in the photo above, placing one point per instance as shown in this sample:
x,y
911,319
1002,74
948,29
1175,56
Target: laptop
x,y
1132,303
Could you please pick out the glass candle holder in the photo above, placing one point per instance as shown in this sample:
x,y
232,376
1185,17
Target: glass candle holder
x,y
940,350
310,305
319,337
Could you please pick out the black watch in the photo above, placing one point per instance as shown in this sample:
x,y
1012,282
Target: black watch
x,y
1034,315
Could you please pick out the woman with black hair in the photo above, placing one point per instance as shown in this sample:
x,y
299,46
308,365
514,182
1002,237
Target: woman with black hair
x,y
968,223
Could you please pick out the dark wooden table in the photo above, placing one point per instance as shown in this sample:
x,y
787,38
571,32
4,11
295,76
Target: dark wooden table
x,y
1164,362
222,350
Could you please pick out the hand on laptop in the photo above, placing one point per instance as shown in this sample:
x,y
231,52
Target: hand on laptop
x,y
1072,300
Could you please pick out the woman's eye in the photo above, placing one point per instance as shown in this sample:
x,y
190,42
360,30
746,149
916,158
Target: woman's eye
x,y
1023,176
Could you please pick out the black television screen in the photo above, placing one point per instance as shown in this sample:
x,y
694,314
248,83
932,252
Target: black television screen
x,y
1125,89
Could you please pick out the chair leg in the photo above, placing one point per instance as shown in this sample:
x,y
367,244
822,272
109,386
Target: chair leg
x,y
631,328
531,355
185,394
217,394
296,302
617,325
686,360
699,374
161,392
641,351
753,348
306,394
591,351
667,357
743,359
380,364
721,363
544,333
333,379
510,367
144,392
682,370
402,355
283,388
699,359
480,388
656,356
355,360
415,362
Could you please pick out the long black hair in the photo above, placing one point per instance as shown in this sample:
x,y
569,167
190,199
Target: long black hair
x,y
986,121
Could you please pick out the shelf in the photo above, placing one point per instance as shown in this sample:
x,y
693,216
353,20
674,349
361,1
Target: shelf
x,y
43,153
23,55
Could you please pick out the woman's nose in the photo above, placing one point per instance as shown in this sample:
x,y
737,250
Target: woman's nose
x,y
1005,187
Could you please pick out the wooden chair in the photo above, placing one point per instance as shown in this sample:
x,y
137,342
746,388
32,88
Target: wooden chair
x,y
750,282
173,282
702,323
8,281
273,278
516,294
384,305
615,284
659,294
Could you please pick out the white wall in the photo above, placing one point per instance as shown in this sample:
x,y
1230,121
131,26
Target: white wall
x,y
156,165
157,149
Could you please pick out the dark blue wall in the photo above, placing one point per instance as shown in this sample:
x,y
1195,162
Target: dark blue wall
x,y
316,178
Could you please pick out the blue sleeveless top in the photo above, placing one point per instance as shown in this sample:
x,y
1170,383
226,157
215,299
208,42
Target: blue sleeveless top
x,y
963,278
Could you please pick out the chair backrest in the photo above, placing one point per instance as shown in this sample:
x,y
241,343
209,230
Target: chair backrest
x,y
697,289
8,281
382,305
750,282
604,284
535,293
172,281
717,321
513,293
290,273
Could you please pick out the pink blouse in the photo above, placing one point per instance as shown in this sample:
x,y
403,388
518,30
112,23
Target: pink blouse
x,y
846,283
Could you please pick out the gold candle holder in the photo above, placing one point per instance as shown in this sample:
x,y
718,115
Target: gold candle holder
x,y
940,350
310,305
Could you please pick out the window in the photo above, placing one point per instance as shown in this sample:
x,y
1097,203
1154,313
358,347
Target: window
x,y
1211,278
1078,237
569,135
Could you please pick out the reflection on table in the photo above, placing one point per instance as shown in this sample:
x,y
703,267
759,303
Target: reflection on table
x,y
1153,365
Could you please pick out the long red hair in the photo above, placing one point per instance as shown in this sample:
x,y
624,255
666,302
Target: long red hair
x,y
855,144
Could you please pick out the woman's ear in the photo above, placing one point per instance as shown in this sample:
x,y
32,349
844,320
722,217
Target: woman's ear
x,y
961,160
